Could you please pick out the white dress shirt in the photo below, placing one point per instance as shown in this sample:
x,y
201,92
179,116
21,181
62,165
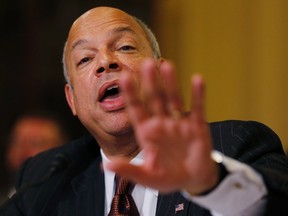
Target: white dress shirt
x,y
242,192
145,198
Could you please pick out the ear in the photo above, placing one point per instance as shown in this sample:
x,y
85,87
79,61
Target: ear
x,y
70,98
160,61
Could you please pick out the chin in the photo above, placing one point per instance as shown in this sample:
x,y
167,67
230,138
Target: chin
x,y
121,128
118,123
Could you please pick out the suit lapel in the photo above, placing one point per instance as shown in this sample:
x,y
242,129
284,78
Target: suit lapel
x,y
172,204
176,204
88,193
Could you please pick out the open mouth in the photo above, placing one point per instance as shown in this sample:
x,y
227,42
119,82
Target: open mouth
x,y
110,97
110,93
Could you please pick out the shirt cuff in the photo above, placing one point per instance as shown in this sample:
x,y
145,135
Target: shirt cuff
x,y
238,191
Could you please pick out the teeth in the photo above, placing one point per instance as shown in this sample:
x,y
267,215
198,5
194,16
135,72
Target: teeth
x,y
113,87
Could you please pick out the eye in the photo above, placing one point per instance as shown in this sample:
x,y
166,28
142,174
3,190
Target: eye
x,y
127,48
83,60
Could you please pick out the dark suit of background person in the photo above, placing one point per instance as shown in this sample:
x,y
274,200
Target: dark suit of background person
x,y
79,189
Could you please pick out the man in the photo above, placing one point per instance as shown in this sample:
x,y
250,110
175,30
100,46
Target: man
x,y
31,134
125,94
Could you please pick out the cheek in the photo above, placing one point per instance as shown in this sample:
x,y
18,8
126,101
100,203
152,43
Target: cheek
x,y
85,84
84,95
133,67
137,77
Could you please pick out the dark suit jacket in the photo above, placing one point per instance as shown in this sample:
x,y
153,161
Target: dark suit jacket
x,y
79,189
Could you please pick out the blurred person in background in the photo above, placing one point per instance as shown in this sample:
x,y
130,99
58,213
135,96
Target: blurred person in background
x,y
30,135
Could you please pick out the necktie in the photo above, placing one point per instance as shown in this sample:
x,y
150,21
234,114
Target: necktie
x,y
123,203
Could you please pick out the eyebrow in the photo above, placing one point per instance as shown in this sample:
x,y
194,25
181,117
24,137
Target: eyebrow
x,y
117,30
78,43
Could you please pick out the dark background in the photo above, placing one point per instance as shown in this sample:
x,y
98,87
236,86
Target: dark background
x,y
32,36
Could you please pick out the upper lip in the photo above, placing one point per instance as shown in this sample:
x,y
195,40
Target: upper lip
x,y
105,86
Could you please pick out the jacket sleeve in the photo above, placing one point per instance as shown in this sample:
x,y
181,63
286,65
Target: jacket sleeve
x,y
256,145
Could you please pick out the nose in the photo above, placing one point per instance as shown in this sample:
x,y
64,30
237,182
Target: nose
x,y
111,67
107,63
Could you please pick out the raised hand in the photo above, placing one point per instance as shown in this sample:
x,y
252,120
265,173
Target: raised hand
x,y
176,146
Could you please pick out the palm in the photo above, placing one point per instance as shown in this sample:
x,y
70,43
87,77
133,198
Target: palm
x,y
176,148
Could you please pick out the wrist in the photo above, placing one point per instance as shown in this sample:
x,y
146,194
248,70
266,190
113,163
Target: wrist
x,y
216,176
222,173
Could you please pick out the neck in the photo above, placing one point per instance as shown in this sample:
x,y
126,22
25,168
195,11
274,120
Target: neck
x,y
119,146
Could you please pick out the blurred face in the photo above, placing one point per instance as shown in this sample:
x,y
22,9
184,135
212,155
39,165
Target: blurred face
x,y
30,137
103,44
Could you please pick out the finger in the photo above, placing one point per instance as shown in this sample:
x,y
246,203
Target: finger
x,y
153,91
135,173
171,87
198,98
131,93
141,175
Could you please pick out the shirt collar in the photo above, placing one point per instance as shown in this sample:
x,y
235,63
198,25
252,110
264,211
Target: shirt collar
x,y
137,160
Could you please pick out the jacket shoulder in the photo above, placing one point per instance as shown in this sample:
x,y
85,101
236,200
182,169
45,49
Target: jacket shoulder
x,y
234,137
84,149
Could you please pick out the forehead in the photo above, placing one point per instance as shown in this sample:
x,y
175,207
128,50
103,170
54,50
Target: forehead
x,y
102,20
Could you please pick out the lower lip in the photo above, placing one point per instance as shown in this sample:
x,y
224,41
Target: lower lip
x,y
113,104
